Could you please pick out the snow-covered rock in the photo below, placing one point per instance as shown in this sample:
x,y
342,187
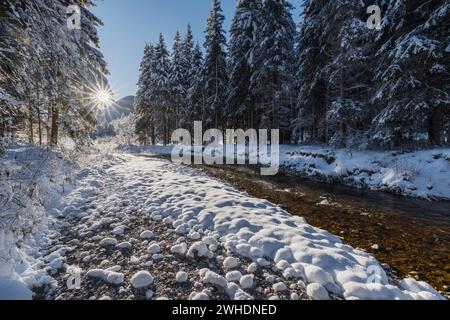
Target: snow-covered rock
x,y
179,248
231,263
317,292
149,294
247,281
154,248
147,234
108,276
108,242
199,249
233,276
213,278
279,287
124,245
182,277
199,296
141,279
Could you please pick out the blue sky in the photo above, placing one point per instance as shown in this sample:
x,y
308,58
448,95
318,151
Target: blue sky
x,y
130,24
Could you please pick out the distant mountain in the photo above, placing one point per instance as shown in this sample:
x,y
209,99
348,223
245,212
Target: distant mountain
x,y
119,109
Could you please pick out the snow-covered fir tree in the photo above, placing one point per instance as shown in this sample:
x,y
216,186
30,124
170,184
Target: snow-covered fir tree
x,y
176,83
241,108
11,64
272,81
58,66
350,51
144,122
196,95
215,68
412,75
187,76
163,112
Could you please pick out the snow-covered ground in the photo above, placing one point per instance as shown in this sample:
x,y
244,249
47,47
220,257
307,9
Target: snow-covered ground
x,y
32,181
144,228
422,174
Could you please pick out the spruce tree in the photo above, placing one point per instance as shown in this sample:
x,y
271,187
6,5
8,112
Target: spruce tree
x,y
143,102
196,97
161,91
176,83
215,68
241,109
412,75
272,81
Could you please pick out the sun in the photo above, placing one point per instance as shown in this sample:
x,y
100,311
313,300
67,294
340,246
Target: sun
x,y
103,98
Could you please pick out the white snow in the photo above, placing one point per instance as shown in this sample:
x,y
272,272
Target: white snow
x,y
213,278
422,173
199,296
199,249
246,227
256,228
233,276
182,277
108,276
108,242
141,279
317,292
179,248
33,181
124,245
279,287
252,268
11,289
231,263
247,281
154,248
147,234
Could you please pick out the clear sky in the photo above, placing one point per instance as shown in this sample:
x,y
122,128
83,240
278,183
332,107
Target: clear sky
x,y
128,25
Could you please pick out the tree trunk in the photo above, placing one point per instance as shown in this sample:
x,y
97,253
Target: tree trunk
x,y
39,125
55,127
30,124
435,126
153,135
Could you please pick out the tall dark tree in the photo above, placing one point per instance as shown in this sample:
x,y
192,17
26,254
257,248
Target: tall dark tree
x,y
176,83
272,81
145,125
161,91
412,75
215,68
196,97
187,76
241,108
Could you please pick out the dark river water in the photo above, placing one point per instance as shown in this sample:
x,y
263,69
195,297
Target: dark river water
x,y
411,235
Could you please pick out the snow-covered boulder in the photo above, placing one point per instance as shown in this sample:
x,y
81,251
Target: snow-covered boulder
x,y
231,263
199,249
233,276
147,234
108,242
179,248
154,248
247,281
317,292
213,278
141,279
182,277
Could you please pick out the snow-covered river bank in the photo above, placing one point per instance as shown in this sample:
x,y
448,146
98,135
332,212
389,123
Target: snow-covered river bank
x,y
141,228
421,174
